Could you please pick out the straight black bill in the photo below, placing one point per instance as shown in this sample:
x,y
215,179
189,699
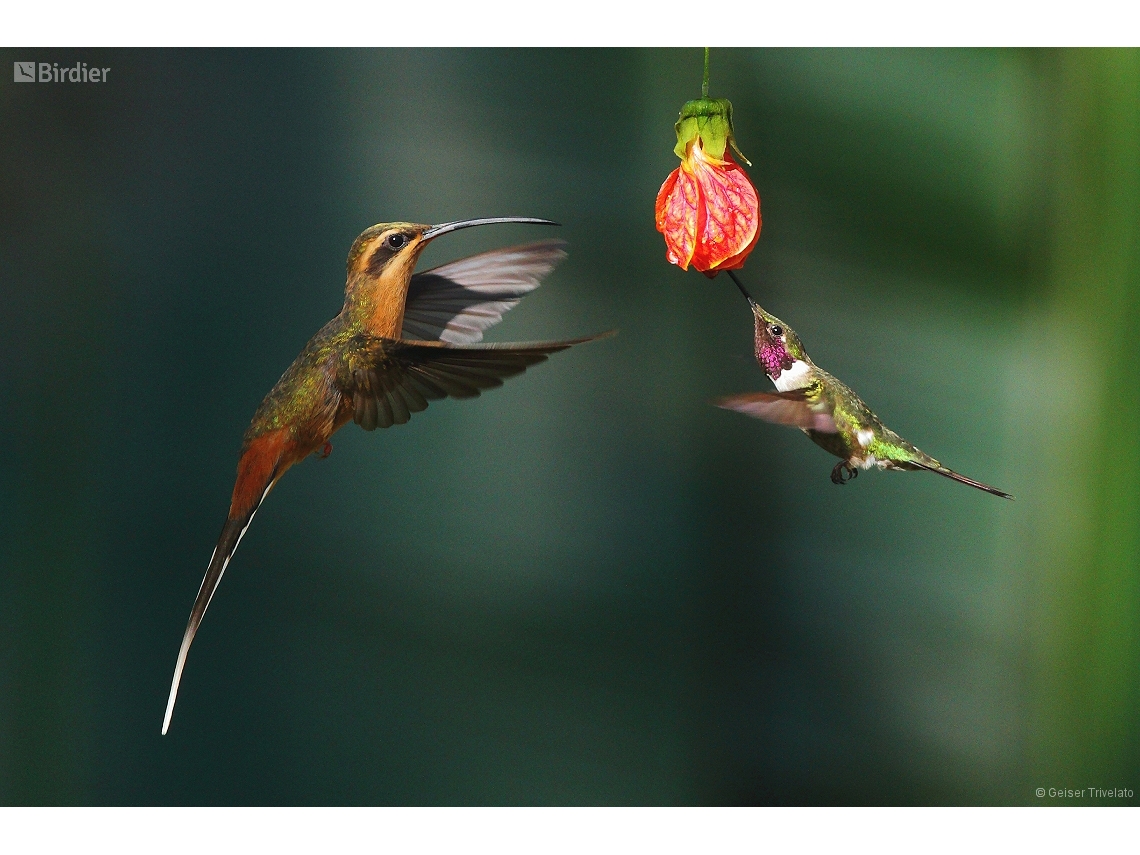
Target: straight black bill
x,y
732,275
444,228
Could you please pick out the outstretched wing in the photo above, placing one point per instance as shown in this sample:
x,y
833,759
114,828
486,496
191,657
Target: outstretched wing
x,y
393,379
455,303
797,408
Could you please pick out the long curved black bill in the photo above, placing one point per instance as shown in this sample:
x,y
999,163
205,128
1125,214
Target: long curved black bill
x,y
444,228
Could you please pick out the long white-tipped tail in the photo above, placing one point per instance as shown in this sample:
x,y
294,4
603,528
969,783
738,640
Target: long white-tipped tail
x,y
232,533
187,640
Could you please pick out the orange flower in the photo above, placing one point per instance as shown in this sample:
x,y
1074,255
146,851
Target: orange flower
x,y
707,209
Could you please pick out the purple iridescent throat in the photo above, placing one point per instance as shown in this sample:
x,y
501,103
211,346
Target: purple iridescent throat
x,y
774,358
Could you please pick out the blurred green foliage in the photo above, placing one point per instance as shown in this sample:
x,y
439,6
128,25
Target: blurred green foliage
x,y
590,586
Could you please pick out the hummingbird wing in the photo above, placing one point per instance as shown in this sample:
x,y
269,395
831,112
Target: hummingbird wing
x,y
398,378
797,408
458,301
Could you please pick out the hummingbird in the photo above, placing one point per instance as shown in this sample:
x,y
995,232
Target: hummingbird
x,y
401,340
829,412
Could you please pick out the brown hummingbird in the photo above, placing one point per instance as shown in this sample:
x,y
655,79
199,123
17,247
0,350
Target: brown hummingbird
x,y
401,340
830,413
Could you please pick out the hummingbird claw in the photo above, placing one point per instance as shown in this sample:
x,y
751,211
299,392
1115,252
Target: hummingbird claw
x,y
843,472
326,451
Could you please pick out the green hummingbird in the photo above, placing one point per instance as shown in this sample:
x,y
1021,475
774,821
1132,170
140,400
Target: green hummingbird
x,y
401,340
829,412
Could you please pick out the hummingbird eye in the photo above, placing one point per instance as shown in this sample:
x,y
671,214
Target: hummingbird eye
x,y
776,330
396,241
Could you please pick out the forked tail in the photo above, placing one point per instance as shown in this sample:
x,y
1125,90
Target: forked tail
x,y
950,473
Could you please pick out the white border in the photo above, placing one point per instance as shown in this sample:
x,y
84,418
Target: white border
x,y
552,831
598,23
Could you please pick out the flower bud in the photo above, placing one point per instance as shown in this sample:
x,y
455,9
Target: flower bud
x,y
707,209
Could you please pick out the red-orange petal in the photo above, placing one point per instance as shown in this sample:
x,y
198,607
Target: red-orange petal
x,y
737,261
677,213
730,205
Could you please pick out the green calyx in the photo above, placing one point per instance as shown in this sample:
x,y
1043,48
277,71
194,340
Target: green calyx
x,y
711,120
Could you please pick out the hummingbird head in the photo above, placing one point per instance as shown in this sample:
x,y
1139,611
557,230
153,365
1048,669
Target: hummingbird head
x,y
389,246
381,262
778,348
385,247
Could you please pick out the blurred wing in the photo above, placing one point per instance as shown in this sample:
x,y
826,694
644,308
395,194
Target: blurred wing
x,y
458,301
795,408
400,377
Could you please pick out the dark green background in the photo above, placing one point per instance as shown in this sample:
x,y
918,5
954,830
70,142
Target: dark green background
x,y
589,586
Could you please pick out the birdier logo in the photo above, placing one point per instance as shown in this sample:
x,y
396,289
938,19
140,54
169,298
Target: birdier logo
x,y
51,72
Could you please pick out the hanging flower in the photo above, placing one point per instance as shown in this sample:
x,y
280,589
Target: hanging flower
x,y
707,209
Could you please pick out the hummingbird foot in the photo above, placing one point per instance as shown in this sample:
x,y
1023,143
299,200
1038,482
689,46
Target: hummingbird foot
x,y
843,472
326,451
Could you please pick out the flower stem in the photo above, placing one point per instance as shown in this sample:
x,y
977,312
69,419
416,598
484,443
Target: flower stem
x,y
705,83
